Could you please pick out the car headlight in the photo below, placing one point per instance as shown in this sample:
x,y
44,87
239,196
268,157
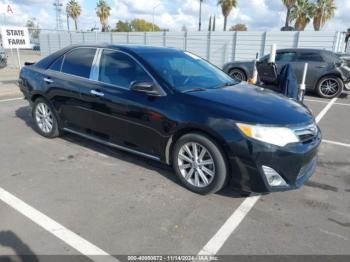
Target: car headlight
x,y
279,136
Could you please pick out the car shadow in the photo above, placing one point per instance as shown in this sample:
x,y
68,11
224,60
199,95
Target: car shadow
x,y
166,171
23,252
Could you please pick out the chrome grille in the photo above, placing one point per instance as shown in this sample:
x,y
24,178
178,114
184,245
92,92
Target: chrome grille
x,y
307,133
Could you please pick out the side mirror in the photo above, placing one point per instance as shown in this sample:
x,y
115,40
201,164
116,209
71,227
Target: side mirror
x,y
144,87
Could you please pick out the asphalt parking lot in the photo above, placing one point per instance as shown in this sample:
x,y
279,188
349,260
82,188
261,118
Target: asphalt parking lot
x,y
70,196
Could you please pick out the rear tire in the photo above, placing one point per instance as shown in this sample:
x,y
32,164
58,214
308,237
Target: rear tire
x,y
238,74
45,118
329,87
200,164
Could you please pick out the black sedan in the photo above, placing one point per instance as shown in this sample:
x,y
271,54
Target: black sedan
x,y
174,107
328,73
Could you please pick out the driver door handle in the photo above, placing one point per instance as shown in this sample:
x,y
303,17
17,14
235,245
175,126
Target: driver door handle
x,y
48,80
96,93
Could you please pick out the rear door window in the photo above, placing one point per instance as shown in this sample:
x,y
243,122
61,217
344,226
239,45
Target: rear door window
x,y
78,62
285,57
309,57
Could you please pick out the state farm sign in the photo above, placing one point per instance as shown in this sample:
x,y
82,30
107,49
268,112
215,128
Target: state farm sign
x,y
15,37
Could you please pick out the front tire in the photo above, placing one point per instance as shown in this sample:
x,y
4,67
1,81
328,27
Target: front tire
x,y
200,164
238,75
329,87
45,118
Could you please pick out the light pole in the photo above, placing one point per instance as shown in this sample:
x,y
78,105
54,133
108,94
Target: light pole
x,y
154,10
67,13
200,15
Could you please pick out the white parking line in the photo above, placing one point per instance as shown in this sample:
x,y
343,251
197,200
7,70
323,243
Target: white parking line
x,y
11,99
325,110
61,232
335,143
314,100
218,240
325,102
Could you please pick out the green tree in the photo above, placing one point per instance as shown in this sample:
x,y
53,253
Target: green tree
x,y
239,27
122,26
226,7
301,13
103,11
323,11
74,11
140,25
33,28
289,5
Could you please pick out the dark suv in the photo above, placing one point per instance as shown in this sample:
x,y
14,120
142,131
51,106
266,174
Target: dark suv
x,y
174,107
327,75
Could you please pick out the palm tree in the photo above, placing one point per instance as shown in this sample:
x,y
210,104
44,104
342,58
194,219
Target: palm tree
x,y
323,11
289,5
103,12
301,13
74,10
226,7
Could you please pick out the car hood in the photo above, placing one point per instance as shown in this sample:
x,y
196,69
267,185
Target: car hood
x,y
251,104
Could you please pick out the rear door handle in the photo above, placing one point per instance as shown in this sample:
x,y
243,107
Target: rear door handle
x,y
97,93
48,80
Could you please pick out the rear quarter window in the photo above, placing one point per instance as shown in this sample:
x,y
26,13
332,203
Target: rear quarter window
x,y
310,57
57,65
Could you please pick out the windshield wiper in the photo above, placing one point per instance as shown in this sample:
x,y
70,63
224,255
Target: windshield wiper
x,y
194,90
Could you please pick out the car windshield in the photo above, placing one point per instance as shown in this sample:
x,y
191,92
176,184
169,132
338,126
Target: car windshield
x,y
186,72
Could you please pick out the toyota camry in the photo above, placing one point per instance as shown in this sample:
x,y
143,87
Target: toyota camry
x,y
174,107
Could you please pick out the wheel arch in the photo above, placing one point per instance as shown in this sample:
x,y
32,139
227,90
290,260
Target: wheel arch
x,y
241,68
329,74
35,95
333,75
191,129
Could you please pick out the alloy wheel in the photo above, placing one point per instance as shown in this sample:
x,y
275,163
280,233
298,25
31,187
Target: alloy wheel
x,y
237,75
329,87
196,164
44,118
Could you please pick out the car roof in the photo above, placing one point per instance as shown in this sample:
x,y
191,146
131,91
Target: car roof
x,y
302,50
138,49
128,48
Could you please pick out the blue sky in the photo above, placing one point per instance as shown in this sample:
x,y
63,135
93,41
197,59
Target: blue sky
x,y
170,14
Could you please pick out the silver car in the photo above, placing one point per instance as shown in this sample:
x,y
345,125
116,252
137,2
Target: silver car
x,y
328,74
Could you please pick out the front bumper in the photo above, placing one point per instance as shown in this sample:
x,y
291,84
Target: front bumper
x,y
295,163
345,73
